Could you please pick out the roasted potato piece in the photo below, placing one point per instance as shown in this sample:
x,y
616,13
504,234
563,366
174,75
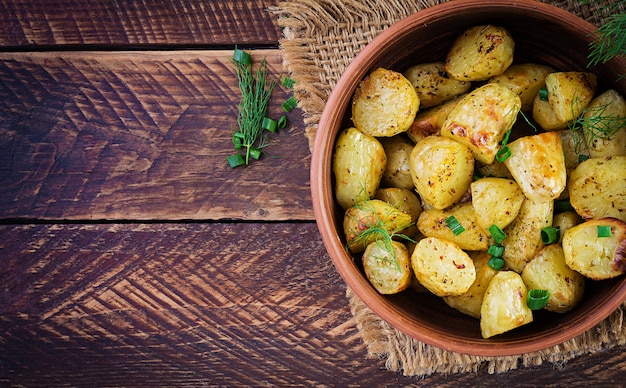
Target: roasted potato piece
x,y
545,115
432,223
442,170
596,257
504,305
358,164
548,271
372,220
496,201
573,147
433,85
404,200
384,104
570,92
428,122
470,301
479,53
597,188
482,118
387,266
398,168
564,221
537,164
604,125
495,169
525,80
442,267
523,239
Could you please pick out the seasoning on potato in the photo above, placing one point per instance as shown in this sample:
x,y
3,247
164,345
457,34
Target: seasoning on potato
x,y
433,84
397,172
496,201
387,266
569,92
384,104
504,305
525,80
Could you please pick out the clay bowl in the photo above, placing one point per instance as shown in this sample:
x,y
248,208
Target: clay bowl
x,y
543,34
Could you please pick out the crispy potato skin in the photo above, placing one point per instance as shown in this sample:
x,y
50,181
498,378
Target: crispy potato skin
x,y
388,273
433,85
525,80
504,305
429,121
479,53
482,118
384,104
597,188
596,257
358,164
442,170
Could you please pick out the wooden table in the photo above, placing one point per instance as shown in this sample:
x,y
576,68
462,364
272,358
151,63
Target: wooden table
x,y
131,254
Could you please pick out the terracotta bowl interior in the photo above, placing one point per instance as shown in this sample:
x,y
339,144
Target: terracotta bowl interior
x,y
543,34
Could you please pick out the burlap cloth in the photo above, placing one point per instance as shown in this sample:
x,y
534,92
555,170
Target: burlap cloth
x,y
321,37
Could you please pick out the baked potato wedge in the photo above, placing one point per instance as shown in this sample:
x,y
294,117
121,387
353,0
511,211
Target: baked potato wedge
x,y
525,80
405,201
433,85
479,53
569,93
545,115
496,201
387,266
429,121
596,257
359,161
504,305
384,104
565,220
604,125
482,118
397,171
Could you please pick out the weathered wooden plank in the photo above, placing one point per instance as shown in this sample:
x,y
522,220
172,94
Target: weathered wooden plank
x,y
29,23
242,304
140,135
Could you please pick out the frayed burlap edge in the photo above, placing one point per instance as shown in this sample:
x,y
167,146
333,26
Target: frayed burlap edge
x,y
321,37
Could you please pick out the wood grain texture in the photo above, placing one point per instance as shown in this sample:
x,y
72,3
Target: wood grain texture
x,y
140,135
220,304
32,23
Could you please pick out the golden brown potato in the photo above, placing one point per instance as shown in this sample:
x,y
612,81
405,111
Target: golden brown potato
x,y
387,266
482,118
479,53
504,305
405,201
358,164
604,125
545,115
429,121
442,267
432,223
570,92
433,85
596,188
495,169
398,168
523,239
565,220
593,256
384,104
470,302
442,170
496,201
372,220
548,271
537,164
525,80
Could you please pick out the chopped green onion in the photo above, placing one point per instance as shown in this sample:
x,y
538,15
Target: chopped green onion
x,y
496,250
503,154
242,57
235,160
282,122
497,234
288,82
543,94
550,234
604,231
582,158
255,153
537,299
291,103
562,205
238,140
455,225
505,140
269,124
496,263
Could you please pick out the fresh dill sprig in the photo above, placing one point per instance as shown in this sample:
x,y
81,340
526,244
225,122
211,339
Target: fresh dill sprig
x,y
610,37
596,123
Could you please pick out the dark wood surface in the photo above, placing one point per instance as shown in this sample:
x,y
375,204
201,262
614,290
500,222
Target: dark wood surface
x,y
130,254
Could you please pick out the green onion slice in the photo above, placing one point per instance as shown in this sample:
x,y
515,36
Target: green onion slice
x,y
282,122
242,57
604,231
550,234
288,82
269,124
543,94
562,205
235,160
505,140
496,263
582,158
291,103
237,141
537,299
496,250
503,154
455,225
255,153
497,234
